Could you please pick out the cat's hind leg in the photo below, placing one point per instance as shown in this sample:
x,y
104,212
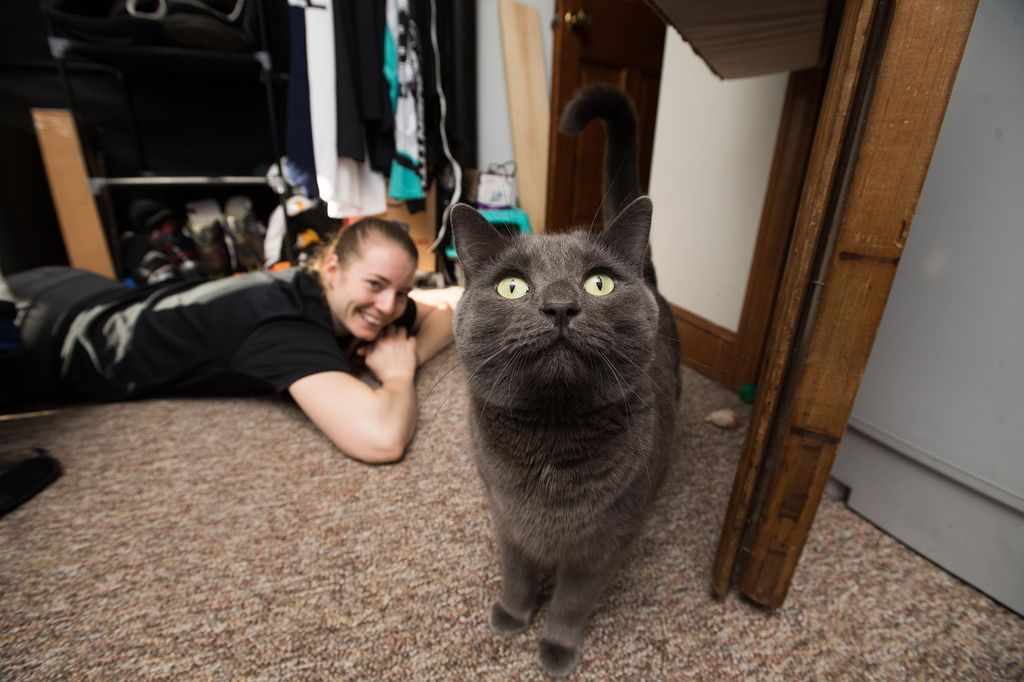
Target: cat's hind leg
x,y
576,594
521,581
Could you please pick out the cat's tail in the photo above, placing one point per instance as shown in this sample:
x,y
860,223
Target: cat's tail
x,y
613,106
621,177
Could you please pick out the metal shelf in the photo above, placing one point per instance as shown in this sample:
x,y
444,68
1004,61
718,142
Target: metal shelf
x,y
191,62
137,58
97,184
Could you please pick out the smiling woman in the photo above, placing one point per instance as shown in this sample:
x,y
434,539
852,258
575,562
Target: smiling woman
x,y
301,332
366,274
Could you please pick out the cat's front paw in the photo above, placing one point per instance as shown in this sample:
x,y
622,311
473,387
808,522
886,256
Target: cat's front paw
x,y
557,660
504,623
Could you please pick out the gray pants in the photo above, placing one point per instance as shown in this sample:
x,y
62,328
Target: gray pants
x,y
48,299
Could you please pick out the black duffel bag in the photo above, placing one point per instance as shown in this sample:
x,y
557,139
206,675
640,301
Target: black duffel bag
x,y
227,25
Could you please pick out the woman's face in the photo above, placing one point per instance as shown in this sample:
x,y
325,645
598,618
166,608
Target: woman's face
x,y
370,291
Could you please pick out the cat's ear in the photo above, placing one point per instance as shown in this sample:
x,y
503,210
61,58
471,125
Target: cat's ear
x,y
476,240
629,232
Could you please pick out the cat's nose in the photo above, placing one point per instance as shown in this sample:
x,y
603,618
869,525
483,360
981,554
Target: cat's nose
x,y
560,312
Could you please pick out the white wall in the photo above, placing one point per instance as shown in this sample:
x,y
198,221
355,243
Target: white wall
x,y
935,449
712,153
713,149
494,130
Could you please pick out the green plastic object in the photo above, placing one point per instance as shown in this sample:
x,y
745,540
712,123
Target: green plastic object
x,y
747,393
507,220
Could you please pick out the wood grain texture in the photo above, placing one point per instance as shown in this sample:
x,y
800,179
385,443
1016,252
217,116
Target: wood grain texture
x,y
80,223
706,347
778,216
422,227
526,82
914,79
622,44
817,189
739,38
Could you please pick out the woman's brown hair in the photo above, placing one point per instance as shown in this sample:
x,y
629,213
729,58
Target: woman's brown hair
x,y
348,243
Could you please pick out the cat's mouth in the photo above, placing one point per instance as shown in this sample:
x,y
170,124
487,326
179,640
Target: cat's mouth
x,y
565,346
561,339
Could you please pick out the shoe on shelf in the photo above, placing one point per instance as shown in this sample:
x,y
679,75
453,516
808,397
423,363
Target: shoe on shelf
x,y
245,232
155,268
163,233
206,228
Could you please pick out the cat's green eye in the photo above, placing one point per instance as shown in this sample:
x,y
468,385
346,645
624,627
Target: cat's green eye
x,y
599,285
513,287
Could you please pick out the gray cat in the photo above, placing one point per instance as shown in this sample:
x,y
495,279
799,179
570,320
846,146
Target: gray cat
x,y
572,359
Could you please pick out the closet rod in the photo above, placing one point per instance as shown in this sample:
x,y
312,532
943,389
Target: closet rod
x,y
98,183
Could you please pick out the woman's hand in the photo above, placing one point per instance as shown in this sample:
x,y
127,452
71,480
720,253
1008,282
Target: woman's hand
x,y
435,311
392,356
369,424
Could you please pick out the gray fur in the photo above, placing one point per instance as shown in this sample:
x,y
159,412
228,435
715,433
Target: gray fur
x,y
600,101
573,400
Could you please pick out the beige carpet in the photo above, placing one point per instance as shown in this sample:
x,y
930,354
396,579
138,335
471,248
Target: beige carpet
x,y
225,539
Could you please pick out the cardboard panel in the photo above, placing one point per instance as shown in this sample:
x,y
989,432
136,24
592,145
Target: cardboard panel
x,y
742,38
80,223
422,227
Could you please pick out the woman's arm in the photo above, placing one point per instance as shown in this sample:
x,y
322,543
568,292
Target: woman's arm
x,y
369,424
435,311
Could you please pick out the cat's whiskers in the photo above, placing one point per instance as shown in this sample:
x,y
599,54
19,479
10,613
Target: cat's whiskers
x,y
651,379
520,365
495,383
690,361
609,343
608,189
687,359
468,379
458,361
629,413
618,376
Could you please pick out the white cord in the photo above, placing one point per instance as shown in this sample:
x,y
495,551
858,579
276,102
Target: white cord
x,y
456,168
161,9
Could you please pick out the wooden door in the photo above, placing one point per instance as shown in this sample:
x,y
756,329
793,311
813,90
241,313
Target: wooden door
x,y
599,41
883,107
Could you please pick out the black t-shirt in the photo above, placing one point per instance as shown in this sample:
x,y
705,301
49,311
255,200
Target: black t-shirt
x,y
254,333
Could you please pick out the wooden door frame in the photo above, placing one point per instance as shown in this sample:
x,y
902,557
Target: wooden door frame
x,y
733,358
891,76
569,51
797,124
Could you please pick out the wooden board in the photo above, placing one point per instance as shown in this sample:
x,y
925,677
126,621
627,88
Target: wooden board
x,y
80,224
741,38
778,217
422,227
921,47
707,347
527,87
818,186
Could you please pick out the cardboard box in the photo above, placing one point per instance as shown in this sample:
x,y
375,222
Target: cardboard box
x,y
80,222
742,38
422,227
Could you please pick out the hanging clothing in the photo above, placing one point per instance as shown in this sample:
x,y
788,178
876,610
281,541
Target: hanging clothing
x,y
423,13
408,169
300,166
375,103
350,187
366,119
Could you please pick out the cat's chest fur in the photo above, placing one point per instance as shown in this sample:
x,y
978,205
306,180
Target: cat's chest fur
x,y
557,480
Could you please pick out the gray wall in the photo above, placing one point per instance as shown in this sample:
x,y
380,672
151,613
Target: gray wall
x,y
494,130
713,149
935,449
